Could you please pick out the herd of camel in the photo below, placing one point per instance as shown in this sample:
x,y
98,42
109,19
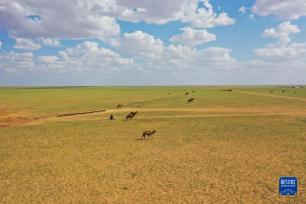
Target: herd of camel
x,y
131,115
149,133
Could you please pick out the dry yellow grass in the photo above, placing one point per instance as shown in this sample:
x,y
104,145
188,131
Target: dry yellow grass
x,y
203,153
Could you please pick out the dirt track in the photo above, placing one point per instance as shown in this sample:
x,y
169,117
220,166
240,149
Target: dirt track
x,y
12,119
270,95
15,119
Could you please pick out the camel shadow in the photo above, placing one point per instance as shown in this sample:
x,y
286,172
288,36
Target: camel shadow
x,y
140,139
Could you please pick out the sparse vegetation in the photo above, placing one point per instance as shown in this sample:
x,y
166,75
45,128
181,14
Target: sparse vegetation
x,y
225,148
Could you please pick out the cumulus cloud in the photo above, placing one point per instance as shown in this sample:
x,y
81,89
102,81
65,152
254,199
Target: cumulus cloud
x,y
50,42
283,48
31,19
290,51
89,55
193,37
26,44
139,43
15,62
175,64
85,57
48,59
285,9
205,17
282,31
97,18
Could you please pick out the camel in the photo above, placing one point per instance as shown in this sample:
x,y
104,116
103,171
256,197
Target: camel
x,y
186,93
119,105
131,115
111,117
147,133
190,100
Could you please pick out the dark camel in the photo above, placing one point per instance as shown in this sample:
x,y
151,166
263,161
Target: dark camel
x,y
111,117
190,100
147,133
131,115
119,105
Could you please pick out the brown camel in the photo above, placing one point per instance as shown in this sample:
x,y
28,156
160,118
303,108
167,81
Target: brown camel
x,y
147,133
131,115
119,105
190,100
111,117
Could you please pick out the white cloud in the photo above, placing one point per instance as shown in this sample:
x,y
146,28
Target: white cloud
x,y
140,44
290,51
56,19
284,9
242,9
97,18
283,49
50,42
205,17
48,59
0,45
282,32
176,64
89,56
193,37
26,44
15,62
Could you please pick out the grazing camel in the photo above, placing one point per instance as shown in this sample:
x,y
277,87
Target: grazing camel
x,y
111,117
131,115
147,133
119,105
190,100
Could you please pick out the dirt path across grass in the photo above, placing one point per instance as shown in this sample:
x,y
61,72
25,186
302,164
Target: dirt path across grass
x,y
105,115
15,119
270,95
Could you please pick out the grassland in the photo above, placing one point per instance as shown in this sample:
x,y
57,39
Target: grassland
x,y
225,147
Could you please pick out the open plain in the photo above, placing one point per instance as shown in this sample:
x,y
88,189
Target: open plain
x,y
222,147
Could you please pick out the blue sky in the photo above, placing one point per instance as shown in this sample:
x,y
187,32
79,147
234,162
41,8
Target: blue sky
x,y
125,42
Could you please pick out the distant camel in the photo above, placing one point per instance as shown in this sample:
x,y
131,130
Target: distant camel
x,y
119,105
186,93
229,90
147,133
111,117
283,91
131,115
190,100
